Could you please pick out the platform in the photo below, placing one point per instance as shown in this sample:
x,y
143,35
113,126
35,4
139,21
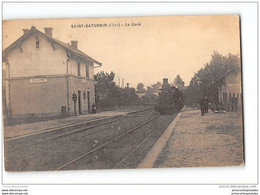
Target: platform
x,y
215,139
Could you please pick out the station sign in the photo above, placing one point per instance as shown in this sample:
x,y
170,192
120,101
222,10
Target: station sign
x,y
38,80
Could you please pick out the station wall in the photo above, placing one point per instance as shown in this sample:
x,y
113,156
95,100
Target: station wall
x,y
37,96
32,61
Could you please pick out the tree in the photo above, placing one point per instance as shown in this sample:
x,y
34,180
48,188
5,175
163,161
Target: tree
x,y
127,97
157,86
140,87
203,82
149,89
106,90
104,80
109,95
178,82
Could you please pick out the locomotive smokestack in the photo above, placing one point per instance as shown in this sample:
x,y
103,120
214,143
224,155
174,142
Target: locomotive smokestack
x,y
165,86
165,81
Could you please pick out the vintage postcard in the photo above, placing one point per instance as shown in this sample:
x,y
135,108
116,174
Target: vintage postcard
x,y
121,93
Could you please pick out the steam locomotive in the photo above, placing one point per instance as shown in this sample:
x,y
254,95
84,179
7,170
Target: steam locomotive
x,y
170,99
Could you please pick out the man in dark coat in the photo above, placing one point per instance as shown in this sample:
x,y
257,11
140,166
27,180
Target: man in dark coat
x,y
94,108
206,104
202,106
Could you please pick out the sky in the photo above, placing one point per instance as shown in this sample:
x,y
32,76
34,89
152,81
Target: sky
x,y
143,49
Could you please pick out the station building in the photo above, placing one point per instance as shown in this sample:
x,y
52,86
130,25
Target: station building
x,y
42,74
230,90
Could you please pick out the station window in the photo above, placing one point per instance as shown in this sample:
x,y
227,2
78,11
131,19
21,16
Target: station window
x,y
87,71
37,44
78,69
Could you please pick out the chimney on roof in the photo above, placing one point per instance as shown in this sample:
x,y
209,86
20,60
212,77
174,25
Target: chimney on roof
x,y
74,44
25,31
48,31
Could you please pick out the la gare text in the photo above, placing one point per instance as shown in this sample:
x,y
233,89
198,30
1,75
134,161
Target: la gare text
x,y
105,25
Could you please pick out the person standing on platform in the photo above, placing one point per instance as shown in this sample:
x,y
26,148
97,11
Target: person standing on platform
x,y
202,106
94,108
206,104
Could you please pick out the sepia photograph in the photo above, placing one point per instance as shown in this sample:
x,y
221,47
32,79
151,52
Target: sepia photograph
x,y
122,93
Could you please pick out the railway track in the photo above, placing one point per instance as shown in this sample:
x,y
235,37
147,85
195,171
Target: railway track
x,y
37,132
105,144
132,151
124,151
62,131
17,154
73,132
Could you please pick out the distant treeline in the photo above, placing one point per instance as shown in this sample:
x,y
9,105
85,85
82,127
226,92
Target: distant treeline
x,y
109,95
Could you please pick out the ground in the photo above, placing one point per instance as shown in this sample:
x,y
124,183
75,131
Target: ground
x,y
192,140
215,139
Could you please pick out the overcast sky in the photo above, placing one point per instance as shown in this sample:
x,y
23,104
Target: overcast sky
x,y
161,47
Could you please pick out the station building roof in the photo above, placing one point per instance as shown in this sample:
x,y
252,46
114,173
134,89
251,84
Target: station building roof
x,y
68,48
